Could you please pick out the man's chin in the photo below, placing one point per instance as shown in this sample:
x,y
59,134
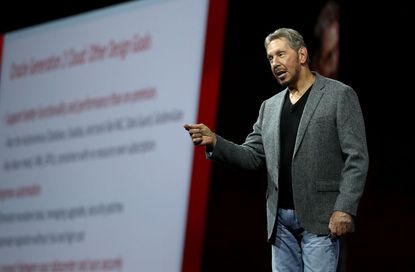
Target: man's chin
x,y
283,83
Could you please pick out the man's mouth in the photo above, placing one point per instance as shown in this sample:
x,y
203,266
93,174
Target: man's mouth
x,y
280,74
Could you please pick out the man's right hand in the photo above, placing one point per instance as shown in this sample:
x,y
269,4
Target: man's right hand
x,y
201,135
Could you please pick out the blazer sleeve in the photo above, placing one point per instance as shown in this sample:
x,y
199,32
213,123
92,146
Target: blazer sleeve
x,y
352,137
249,155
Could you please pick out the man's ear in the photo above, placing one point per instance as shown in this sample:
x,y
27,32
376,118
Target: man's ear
x,y
303,55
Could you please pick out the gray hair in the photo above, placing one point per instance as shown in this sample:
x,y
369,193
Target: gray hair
x,y
294,38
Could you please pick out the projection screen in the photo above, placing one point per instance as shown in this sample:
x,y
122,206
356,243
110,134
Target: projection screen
x,y
97,172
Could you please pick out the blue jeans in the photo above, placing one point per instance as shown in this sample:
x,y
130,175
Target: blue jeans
x,y
295,249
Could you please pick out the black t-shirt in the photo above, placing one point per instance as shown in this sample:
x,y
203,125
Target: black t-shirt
x,y
290,119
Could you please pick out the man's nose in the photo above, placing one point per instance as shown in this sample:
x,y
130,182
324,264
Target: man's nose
x,y
274,64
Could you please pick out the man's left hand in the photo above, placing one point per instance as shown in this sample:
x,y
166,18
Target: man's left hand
x,y
340,223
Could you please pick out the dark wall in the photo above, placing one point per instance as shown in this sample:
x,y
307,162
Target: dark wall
x,y
18,14
375,59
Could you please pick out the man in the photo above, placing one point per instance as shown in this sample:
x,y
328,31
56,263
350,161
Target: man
x,y
311,139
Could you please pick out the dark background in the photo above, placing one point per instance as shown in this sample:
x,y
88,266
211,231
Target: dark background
x,y
376,59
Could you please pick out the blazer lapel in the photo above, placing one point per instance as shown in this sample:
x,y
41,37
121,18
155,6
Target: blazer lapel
x,y
312,102
275,120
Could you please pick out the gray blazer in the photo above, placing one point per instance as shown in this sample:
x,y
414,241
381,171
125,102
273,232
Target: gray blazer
x,y
330,160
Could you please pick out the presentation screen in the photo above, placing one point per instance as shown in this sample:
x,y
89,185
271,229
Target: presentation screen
x,y
96,168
